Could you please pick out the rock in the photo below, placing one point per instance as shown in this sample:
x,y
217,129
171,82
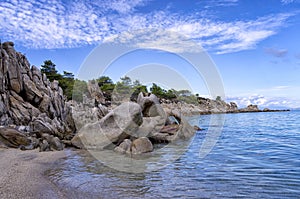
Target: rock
x,y
197,128
13,138
53,142
154,116
141,145
76,141
116,126
95,92
173,132
31,91
40,126
150,126
250,108
25,93
150,105
56,144
44,146
124,147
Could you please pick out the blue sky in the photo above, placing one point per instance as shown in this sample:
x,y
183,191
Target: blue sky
x,y
253,43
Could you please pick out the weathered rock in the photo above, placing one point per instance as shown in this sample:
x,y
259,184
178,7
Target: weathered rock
x,y
76,141
150,106
116,126
141,145
95,92
13,138
154,117
250,108
44,146
40,126
173,132
124,147
25,93
85,114
54,142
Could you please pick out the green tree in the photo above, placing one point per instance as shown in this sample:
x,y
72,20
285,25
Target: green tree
x,y
67,84
49,69
218,98
162,93
106,85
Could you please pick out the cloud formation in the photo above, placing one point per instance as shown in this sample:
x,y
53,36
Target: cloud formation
x,y
276,52
66,24
287,1
265,102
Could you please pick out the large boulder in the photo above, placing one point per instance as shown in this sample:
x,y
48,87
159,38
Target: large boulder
x,y
154,116
116,126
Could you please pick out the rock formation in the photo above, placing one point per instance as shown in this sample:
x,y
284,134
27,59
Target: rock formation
x,y
28,98
35,114
133,128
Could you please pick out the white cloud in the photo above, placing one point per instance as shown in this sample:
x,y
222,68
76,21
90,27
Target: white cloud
x,y
57,24
265,102
287,1
276,52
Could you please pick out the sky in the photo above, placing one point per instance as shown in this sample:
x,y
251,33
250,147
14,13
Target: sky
x,y
253,44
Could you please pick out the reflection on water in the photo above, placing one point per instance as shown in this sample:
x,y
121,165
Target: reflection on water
x,y
256,156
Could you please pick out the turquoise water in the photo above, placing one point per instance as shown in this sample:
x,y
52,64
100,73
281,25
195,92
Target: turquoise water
x,y
257,155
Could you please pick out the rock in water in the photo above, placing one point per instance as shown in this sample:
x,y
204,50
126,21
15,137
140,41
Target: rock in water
x,y
124,147
141,145
13,138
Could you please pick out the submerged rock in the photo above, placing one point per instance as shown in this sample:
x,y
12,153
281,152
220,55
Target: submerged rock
x,y
141,145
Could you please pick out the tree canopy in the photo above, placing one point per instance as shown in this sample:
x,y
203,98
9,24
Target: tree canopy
x,y
122,90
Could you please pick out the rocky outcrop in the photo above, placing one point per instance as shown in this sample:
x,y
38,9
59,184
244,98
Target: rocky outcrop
x,y
134,128
250,108
28,98
116,126
209,106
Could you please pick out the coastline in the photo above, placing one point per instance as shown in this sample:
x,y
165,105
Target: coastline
x,y
23,174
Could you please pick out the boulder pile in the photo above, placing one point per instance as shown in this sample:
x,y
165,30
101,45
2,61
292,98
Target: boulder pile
x,y
134,128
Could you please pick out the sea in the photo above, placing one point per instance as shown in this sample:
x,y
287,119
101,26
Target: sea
x,y
245,155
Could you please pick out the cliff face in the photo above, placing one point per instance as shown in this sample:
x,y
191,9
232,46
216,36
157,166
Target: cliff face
x,y
28,98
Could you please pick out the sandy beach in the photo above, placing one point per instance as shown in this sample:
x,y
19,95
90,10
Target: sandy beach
x,y
22,174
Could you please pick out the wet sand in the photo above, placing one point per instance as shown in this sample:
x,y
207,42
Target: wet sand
x,y
22,174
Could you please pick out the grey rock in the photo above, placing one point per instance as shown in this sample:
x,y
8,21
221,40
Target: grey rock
x,y
95,92
13,138
141,145
116,126
124,147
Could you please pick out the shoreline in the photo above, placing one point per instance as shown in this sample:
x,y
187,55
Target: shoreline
x,y
23,174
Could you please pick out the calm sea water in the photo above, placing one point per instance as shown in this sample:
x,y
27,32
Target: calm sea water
x,y
257,155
